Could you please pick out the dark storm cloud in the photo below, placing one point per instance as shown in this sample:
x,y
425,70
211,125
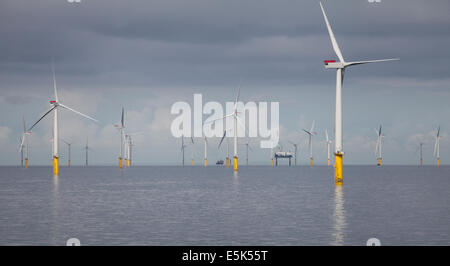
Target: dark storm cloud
x,y
176,42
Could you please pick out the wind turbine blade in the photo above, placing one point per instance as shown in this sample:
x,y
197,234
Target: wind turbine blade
x,y
439,130
223,137
307,132
214,120
122,119
21,142
332,38
54,83
79,113
326,135
51,109
370,61
312,126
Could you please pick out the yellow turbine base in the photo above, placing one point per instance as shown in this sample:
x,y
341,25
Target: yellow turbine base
x,y
55,166
206,162
120,163
436,162
228,162
329,162
26,163
235,165
126,163
271,162
338,179
192,162
247,162
379,161
421,162
129,162
312,161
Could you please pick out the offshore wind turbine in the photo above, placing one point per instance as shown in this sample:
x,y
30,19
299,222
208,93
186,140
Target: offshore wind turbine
x,y
295,151
378,147
234,114
192,151
86,148
206,151
121,128
421,157
247,147
310,144
68,145
183,146
327,139
55,105
24,143
436,146
340,69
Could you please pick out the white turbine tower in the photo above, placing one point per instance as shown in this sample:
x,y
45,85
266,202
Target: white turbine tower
x,y
55,105
340,69
436,146
310,134
327,139
378,147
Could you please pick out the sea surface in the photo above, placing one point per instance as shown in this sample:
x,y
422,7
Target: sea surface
x,y
260,205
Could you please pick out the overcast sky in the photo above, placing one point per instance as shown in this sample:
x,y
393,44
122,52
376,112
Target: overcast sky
x,y
146,55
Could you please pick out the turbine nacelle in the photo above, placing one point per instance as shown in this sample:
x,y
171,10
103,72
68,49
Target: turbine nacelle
x,y
332,64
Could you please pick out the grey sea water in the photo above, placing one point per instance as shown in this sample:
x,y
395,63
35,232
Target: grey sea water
x,y
170,205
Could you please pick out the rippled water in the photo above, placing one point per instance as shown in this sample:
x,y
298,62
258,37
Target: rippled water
x,y
400,205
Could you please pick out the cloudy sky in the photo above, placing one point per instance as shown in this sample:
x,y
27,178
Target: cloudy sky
x,y
147,55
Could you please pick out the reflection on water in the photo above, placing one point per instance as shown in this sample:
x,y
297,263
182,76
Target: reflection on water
x,y
55,211
339,223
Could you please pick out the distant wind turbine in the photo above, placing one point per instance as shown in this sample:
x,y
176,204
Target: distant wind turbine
x,y
236,119
327,139
121,128
340,69
24,143
69,152
378,146
192,151
295,151
55,105
436,146
247,147
183,146
206,151
310,144
86,148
